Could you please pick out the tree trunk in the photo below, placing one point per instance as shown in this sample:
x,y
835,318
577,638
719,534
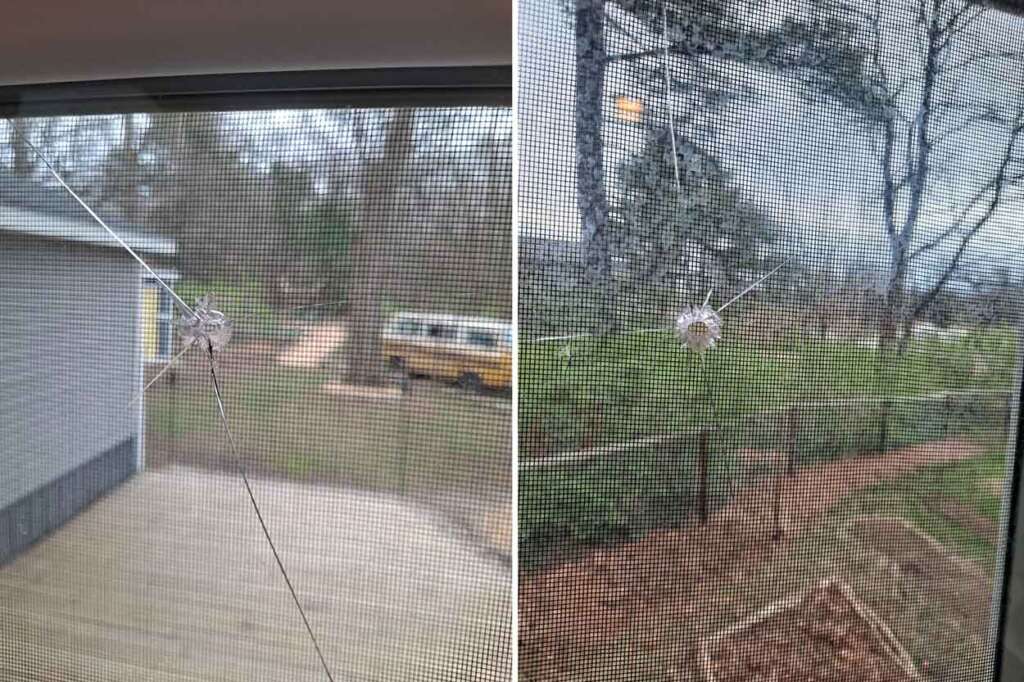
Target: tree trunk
x,y
130,197
895,297
591,198
379,213
906,333
24,156
190,191
119,188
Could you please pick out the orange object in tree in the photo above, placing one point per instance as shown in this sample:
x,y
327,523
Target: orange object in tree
x,y
629,109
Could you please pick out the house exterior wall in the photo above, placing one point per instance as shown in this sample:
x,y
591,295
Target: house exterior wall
x,y
69,366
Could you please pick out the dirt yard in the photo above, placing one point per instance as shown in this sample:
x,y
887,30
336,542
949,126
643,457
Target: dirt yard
x,y
651,601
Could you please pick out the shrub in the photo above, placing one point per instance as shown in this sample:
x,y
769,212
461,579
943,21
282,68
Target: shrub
x,y
608,499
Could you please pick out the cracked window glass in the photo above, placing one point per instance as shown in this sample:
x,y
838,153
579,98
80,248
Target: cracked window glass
x,y
770,320
218,463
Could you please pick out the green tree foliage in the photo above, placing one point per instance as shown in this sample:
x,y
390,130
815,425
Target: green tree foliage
x,y
678,240
326,234
702,35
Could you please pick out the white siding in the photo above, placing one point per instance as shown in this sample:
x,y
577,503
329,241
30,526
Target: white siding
x,y
69,361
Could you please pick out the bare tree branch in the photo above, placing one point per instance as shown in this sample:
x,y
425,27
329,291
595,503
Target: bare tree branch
x,y
888,141
615,24
979,58
919,137
957,224
951,29
981,117
998,185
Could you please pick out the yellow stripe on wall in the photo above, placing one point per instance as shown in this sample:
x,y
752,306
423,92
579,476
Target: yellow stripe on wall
x,y
150,305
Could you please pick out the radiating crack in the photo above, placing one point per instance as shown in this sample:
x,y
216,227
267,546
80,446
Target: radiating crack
x,y
163,370
208,328
256,508
99,221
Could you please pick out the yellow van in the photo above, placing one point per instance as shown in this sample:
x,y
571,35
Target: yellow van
x,y
476,352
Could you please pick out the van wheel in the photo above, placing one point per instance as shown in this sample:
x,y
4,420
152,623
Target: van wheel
x,y
399,372
471,382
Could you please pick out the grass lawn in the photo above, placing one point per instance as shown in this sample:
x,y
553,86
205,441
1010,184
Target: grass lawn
x,y
627,386
959,504
435,440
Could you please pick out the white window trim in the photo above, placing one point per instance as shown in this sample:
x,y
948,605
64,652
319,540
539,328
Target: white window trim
x,y
165,332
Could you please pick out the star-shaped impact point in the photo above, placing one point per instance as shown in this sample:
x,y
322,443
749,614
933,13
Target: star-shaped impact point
x,y
206,326
699,327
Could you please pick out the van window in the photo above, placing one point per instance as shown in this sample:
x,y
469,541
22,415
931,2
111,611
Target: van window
x,y
484,338
409,328
441,331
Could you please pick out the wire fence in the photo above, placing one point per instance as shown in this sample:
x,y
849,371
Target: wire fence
x,y
623,490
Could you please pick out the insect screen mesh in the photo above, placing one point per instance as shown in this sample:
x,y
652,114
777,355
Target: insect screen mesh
x,y
770,316
315,481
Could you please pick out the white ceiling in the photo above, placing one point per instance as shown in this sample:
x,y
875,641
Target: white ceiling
x,y
47,41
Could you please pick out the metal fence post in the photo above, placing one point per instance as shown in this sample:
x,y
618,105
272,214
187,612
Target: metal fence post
x,y
777,506
947,406
793,426
702,475
883,431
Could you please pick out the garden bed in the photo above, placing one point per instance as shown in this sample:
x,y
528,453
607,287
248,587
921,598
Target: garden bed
x,y
824,633
910,550
925,565
668,593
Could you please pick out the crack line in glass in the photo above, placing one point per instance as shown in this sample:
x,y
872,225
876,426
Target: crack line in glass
x,y
203,324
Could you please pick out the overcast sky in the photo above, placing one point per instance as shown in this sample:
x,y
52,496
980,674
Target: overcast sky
x,y
307,138
807,165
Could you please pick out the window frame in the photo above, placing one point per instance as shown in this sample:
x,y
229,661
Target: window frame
x,y
389,88
445,86
1009,621
165,325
